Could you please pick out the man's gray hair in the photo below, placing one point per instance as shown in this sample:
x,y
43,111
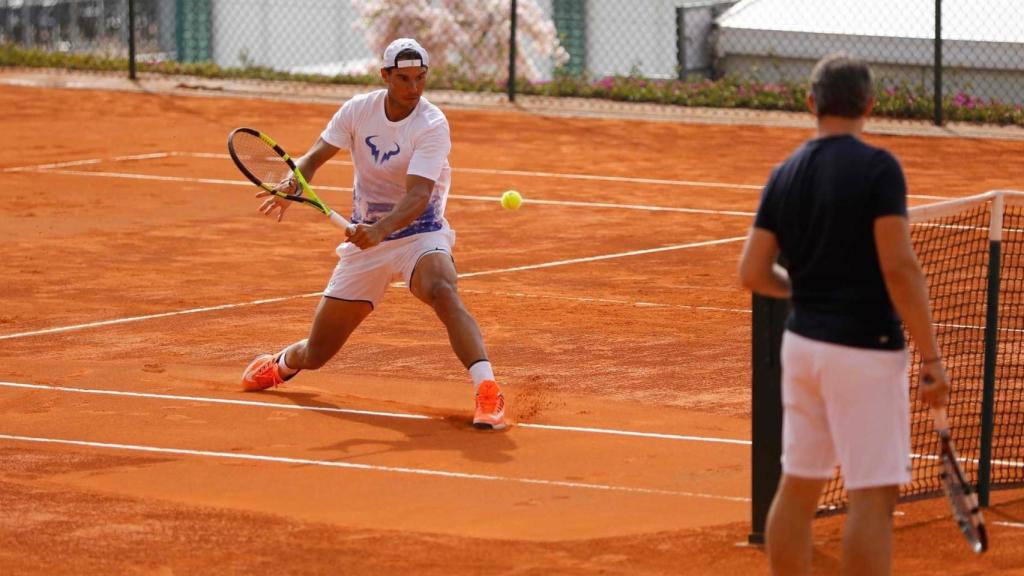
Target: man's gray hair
x,y
842,86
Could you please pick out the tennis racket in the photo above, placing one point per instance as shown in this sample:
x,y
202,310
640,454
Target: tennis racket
x,y
962,497
267,165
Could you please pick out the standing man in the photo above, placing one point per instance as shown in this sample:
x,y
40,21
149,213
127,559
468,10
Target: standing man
x,y
836,210
399,144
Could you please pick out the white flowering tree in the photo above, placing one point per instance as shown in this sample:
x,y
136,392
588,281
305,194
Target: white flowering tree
x,y
468,37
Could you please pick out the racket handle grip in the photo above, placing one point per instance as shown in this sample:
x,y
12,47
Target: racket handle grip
x,y
341,222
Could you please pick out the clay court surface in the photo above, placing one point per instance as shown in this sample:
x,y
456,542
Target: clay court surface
x,y
139,280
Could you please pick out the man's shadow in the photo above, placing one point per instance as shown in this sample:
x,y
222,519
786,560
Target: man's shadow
x,y
1008,511
448,433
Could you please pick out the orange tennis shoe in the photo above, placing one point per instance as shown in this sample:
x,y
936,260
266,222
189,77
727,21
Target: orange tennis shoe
x,y
261,373
490,406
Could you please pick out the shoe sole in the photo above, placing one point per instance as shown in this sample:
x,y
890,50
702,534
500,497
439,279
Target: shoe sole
x,y
489,426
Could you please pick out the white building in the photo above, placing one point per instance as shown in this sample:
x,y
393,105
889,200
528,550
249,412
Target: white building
x,y
982,51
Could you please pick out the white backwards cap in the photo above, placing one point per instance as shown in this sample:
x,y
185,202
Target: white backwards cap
x,y
400,45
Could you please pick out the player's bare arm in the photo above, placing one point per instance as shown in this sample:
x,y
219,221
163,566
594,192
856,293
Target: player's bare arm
x,y
908,291
308,164
417,195
758,270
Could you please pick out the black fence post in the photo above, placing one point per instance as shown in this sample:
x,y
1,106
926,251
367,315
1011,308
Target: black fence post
x,y
27,36
938,63
512,55
131,39
680,43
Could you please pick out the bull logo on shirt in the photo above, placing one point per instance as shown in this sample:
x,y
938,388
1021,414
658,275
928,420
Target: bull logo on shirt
x,y
375,152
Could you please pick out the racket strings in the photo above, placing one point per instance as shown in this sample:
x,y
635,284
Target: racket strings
x,y
260,159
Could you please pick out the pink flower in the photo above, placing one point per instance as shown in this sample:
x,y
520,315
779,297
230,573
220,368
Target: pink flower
x,y
470,37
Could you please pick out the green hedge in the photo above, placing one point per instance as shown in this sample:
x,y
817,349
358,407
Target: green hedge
x,y
896,101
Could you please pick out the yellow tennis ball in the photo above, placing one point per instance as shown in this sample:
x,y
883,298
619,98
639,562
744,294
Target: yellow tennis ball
x,y
511,200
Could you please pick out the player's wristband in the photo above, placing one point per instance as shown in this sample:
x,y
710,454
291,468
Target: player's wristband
x,y
932,360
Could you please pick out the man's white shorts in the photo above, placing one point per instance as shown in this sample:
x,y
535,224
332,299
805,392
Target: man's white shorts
x,y
847,406
364,275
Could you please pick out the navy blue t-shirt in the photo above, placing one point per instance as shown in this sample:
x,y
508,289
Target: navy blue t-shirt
x,y
821,204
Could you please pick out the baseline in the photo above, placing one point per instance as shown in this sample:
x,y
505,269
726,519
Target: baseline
x,y
370,467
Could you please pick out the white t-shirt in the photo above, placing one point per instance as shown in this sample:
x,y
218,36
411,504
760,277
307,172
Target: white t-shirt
x,y
384,152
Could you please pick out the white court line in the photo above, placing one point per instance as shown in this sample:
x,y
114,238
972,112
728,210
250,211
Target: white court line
x,y
222,156
607,256
312,294
56,165
152,316
218,156
149,156
623,179
562,175
45,167
133,176
211,400
965,460
637,304
974,327
354,466
712,440
1009,524
611,205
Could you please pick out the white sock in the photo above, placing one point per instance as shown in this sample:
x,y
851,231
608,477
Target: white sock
x,y
480,371
283,368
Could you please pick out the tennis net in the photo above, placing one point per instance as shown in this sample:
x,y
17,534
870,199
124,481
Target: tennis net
x,y
972,253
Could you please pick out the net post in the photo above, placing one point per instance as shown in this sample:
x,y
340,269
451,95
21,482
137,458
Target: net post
x,y
512,53
131,40
767,325
991,349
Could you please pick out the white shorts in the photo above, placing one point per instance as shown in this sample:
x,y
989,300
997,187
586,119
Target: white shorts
x,y
364,275
847,406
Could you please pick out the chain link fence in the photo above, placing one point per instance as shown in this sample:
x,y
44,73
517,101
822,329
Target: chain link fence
x,y
966,54
733,53
93,27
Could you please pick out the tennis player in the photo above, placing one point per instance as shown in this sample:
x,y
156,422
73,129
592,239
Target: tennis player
x,y
399,144
836,211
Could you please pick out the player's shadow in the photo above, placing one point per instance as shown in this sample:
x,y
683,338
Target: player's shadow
x,y
1007,511
448,433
